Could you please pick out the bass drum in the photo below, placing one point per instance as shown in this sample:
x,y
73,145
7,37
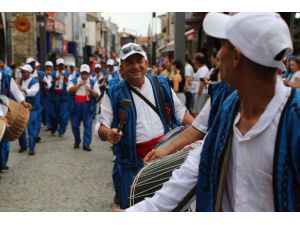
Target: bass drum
x,y
152,176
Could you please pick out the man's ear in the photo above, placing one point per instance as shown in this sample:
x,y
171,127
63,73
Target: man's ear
x,y
237,56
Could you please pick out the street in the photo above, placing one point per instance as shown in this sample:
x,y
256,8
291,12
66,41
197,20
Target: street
x,y
58,177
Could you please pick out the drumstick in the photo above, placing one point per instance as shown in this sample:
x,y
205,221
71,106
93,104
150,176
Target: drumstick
x,y
126,103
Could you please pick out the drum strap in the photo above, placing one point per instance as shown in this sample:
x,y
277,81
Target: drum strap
x,y
185,201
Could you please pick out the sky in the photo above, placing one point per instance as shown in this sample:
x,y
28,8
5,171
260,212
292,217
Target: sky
x,y
135,23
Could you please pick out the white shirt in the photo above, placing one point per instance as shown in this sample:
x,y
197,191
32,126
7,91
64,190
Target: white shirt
x,y
201,121
34,74
201,73
81,90
148,123
295,75
15,91
48,79
30,92
59,83
72,75
249,177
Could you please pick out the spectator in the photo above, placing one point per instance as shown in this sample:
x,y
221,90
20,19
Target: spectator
x,y
177,80
188,73
295,79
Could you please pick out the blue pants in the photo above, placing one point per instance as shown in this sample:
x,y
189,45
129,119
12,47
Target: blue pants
x,y
82,113
59,113
4,150
39,120
46,111
32,132
127,176
116,177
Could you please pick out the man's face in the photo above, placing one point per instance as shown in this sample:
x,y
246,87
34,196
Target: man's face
x,y
294,66
226,61
49,69
84,75
25,74
61,67
32,64
134,67
72,68
111,68
97,70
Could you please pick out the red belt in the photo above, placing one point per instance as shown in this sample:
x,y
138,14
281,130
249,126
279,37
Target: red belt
x,y
81,98
58,91
143,148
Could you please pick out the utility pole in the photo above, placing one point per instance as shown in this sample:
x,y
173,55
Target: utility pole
x,y
9,48
42,44
153,38
179,46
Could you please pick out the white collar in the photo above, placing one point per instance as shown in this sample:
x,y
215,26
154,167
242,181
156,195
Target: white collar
x,y
281,94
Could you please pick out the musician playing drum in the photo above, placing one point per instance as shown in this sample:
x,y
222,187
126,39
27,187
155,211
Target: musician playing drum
x,y
250,157
9,88
148,117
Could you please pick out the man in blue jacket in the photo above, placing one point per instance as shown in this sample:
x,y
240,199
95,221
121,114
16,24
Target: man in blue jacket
x,y
147,120
250,157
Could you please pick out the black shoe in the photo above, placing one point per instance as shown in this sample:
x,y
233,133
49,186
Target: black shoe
x,y
37,139
87,148
60,135
22,150
48,129
53,131
116,199
4,168
76,145
31,152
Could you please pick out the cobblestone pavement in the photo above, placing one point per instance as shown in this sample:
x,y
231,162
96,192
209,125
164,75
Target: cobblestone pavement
x,y
58,177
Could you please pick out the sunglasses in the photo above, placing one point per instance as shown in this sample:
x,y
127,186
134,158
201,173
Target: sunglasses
x,y
131,48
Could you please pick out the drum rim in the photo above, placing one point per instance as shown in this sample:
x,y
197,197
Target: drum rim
x,y
4,107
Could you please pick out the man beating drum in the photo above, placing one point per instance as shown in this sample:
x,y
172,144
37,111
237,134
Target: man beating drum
x,y
9,87
250,157
153,111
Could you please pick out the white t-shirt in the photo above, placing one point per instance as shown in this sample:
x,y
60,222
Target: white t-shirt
x,y
201,121
295,75
148,123
201,73
248,185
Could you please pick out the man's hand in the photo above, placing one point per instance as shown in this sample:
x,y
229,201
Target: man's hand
x,y
286,82
114,136
118,210
26,105
154,154
88,88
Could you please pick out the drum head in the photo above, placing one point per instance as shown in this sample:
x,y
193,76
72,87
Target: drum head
x,y
4,104
2,127
169,137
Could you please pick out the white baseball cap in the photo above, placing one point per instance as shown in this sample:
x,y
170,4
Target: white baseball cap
x,y
259,36
110,62
48,63
130,49
26,67
97,65
72,64
60,61
85,68
37,63
30,60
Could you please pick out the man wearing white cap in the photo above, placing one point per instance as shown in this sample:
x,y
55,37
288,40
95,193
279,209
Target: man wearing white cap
x,y
73,72
250,157
9,88
112,76
45,94
97,75
84,93
30,88
59,98
146,121
33,63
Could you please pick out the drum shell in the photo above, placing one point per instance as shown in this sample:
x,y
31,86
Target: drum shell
x,y
17,118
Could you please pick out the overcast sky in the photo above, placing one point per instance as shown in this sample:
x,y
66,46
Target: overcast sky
x,y
134,22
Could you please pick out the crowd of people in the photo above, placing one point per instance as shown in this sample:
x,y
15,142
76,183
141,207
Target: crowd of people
x,y
242,100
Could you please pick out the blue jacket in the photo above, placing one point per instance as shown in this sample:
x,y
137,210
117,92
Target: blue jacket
x,y
92,104
5,84
286,173
33,100
115,78
125,150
